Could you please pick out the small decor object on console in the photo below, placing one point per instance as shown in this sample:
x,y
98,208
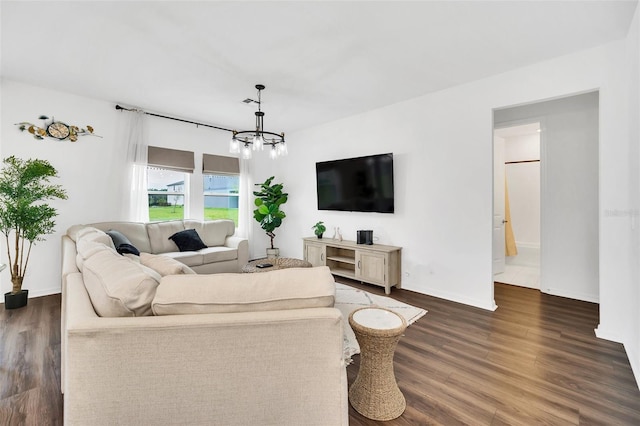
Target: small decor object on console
x,y
339,234
319,229
55,130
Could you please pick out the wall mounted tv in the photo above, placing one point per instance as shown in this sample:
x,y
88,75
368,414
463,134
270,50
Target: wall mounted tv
x,y
362,184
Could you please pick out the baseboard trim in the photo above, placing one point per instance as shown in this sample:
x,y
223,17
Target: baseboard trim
x,y
585,297
490,306
44,292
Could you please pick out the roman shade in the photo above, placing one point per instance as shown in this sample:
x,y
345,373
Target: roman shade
x,y
218,164
171,159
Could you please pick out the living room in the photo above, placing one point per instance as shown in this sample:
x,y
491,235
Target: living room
x,y
441,141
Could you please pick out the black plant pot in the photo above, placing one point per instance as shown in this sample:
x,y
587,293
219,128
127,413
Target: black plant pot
x,y
15,301
320,236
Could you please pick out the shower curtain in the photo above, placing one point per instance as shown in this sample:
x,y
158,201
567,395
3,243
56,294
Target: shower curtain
x,y
509,239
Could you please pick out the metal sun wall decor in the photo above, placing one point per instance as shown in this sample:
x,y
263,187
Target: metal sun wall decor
x,y
55,130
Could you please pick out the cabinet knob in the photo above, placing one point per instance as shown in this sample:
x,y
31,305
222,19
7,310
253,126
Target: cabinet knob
x,y
358,264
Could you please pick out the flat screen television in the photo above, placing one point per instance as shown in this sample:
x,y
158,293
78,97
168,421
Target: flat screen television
x,y
362,184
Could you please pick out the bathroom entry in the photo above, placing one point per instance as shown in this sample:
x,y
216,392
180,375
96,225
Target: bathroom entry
x,y
517,205
568,209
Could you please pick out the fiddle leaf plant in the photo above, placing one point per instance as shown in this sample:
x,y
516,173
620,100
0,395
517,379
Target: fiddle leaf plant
x,y
24,216
268,202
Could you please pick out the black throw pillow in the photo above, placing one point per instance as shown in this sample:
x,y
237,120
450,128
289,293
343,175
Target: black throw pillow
x,y
188,240
122,243
127,249
117,237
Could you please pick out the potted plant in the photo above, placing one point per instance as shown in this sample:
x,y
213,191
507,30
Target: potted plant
x,y
24,216
268,213
319,229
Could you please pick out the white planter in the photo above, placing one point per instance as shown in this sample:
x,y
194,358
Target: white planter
x,y
273,253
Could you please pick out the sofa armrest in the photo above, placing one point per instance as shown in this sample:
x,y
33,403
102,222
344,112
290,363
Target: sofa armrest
x,y
195,369
242,245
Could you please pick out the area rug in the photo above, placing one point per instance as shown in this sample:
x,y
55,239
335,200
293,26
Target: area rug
x,y
348,299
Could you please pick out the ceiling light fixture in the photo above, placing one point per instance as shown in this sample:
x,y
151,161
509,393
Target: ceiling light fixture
x,y
245,141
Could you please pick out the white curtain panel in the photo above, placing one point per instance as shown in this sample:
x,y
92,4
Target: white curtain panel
x,y
245,204
137,149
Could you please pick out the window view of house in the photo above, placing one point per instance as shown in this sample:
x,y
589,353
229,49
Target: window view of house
x,y
221,197
166,191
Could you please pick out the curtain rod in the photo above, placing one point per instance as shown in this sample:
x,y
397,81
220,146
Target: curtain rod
x,y
118,107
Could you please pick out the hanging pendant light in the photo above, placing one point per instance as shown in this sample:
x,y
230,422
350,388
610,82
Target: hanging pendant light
x,y
256,139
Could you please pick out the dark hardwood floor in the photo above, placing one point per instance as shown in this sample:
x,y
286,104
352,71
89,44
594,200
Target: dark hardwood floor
x,y
30,363
535,360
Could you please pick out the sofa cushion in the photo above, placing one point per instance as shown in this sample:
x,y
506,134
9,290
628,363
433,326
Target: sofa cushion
x,y
159,233
218,254
164,265
294,288
88,249
189,258
88,241
117,286
212,232
91,234
188,240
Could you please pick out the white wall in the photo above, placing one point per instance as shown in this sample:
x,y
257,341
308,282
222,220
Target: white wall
x,y
523,180
632,338
443,175
90,169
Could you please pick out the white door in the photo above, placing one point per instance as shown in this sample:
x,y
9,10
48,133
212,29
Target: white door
x,y
498,205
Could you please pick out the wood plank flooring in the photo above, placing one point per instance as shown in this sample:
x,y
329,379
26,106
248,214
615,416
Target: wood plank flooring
x,y
535,360
30,363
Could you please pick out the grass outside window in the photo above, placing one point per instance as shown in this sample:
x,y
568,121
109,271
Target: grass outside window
x,y
158,213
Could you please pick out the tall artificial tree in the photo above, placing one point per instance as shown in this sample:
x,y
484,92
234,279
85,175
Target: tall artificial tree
x,y
24,216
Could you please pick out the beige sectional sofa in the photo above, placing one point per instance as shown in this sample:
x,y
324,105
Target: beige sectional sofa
x,y
165,346
224,253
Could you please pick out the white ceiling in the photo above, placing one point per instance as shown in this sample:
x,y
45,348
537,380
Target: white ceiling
x,y
320,61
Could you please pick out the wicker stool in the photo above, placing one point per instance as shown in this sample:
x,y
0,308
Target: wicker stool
x,y
375,393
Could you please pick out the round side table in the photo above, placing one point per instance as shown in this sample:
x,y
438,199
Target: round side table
x,y
375,393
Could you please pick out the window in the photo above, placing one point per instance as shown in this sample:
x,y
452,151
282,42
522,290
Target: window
x,y
221,187
221,197
168,174
166,193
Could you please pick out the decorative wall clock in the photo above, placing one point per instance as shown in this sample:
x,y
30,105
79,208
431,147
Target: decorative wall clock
x,y
56,130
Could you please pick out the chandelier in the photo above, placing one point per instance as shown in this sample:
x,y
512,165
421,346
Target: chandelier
x,y
247,141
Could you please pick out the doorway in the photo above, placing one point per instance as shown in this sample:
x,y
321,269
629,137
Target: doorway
x,y
517,198
569,196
